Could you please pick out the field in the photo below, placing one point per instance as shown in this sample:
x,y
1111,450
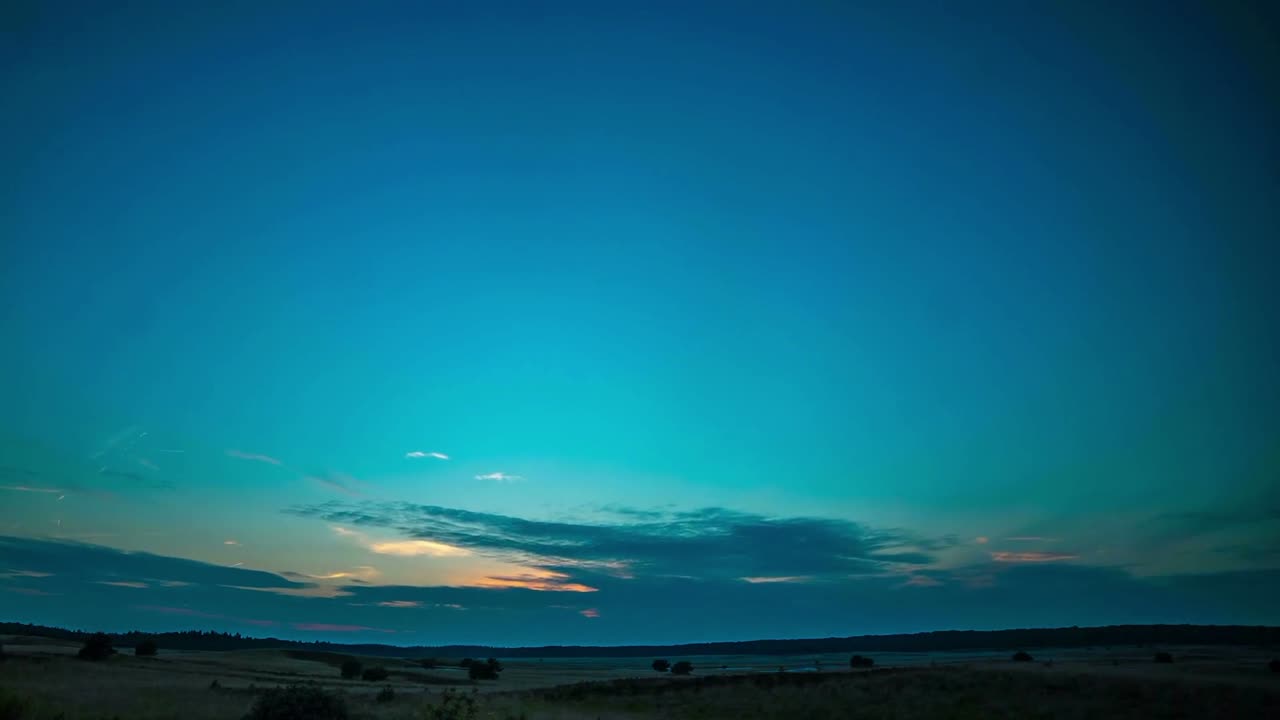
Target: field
x,y
42,679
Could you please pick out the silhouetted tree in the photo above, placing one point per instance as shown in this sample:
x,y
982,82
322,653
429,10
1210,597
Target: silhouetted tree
x,y
661,665
466,662
146,648
97,647
858,661
298,702
684,667
1163,657
376,673
1022,656
351,668
487,670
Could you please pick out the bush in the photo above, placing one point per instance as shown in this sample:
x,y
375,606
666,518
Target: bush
x,y
1022,656
1163,657
487,670
385,695
1274,665
661,665
857,661
453,706
215,685
97,647
351,668
376,673
298,702
146,648
684,667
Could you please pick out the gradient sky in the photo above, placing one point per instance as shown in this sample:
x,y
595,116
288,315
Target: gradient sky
x,y
605,322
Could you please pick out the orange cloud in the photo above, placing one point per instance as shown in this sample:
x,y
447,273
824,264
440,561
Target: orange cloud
x,y
589,613
545,581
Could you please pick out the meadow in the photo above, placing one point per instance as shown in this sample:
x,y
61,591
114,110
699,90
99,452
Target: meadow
x,y
41,679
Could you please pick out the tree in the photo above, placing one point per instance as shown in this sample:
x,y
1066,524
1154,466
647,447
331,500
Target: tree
x,y
1163,657
97,647
376,673
146,648
1022,656
487,670
858,661
684,667
466,662
661,665
351,668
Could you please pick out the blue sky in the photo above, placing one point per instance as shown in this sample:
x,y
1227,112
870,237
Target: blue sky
x,y
935,311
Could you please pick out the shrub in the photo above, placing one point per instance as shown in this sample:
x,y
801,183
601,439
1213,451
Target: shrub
x,y
1274,665
487,670
385,695
1163,657
1022,656
453,706
351,668
298,702
97,647
146,648
661,665
857,661
684,667
376,673
215,685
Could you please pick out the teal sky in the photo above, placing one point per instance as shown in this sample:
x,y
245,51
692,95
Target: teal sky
x,y
961,315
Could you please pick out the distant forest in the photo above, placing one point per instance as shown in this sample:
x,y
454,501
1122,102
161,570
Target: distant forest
x,y
941,641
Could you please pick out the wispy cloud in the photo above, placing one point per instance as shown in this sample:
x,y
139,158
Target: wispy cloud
x,y
362,572
421,454
339,483
144,462
33,489
230,542
400,604
124,584
328,627
1031,538
757,580
412,548
982,540
500,477
256,457
11,573
589,613
1030,557
307,591
541,581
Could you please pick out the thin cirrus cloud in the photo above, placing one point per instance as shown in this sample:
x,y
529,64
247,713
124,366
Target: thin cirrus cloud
x,y
1030,557
403,548
124,584
589,613
500,477
339,483
400,604
256,457
422,454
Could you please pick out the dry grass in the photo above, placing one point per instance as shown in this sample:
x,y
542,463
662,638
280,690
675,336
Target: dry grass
x,y
50,684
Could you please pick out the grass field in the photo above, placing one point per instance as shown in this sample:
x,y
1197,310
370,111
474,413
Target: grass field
x,y
42,679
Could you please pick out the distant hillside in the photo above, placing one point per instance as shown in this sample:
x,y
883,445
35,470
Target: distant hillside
x,y
939,641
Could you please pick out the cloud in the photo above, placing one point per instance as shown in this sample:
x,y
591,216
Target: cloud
x,y
712,543
338,482
256,457
330,627
1030,557
541,582
413,548
400,604
230,542
982,540
23,574
421,454
776,579
1031,538
32,489
148,464
124,583
188,612
500,477
305,591
362,572
589,613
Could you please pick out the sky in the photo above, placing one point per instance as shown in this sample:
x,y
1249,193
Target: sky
x,y
605,323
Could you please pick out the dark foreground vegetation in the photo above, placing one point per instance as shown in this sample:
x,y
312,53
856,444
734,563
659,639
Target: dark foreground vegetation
x,y
942,641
